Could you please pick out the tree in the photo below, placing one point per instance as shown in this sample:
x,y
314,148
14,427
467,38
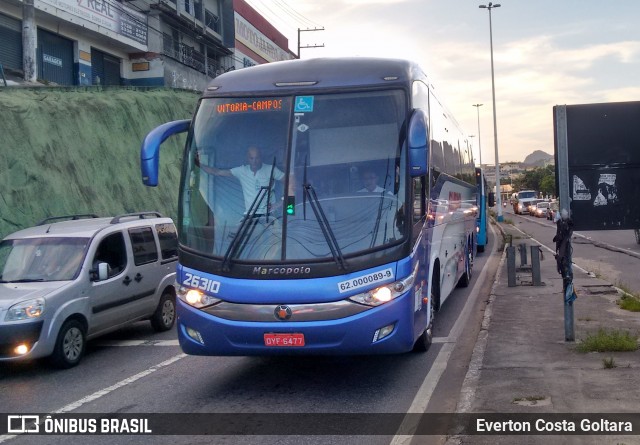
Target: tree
x,y
542,179
548,185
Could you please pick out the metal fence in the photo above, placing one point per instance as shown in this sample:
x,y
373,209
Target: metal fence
x,y
190,57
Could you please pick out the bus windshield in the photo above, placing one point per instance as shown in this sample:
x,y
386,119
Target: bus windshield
x,y
295,178
526,194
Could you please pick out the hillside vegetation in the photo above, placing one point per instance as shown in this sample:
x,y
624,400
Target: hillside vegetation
x,y
77,150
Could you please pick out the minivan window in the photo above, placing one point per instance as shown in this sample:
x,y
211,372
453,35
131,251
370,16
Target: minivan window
x,y
168,238
41,259
144,245
113,252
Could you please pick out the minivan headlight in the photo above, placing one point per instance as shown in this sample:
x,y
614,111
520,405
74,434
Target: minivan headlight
x,y
195,298
386,293
25,310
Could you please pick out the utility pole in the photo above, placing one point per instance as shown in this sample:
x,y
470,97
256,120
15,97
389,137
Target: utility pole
x,y
479,143
308,46
28,41
499,218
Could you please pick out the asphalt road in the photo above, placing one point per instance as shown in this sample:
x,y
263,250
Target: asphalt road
x,y
137,371
612,255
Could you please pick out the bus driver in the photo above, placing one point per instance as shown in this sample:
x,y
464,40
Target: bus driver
x,y
252,176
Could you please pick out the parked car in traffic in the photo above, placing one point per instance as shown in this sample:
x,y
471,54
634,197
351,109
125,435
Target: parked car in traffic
x,y
63,283
531,207
540,209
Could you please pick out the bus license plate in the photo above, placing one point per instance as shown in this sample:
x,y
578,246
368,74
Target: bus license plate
x,y
287,340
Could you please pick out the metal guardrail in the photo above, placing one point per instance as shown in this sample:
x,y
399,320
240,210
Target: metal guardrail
x,y
530,270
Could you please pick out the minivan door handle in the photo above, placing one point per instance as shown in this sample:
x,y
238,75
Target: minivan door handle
x,y
138,277
127,280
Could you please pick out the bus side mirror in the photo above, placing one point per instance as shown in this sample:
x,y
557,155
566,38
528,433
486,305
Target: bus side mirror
x,y
150,149
418,137
492,199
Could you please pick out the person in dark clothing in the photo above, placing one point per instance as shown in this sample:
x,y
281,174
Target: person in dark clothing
x,y
564,232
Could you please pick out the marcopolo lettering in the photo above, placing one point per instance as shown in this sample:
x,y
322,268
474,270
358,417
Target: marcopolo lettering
x,y
281,270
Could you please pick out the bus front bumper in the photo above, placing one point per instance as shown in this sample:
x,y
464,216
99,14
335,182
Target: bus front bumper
x,y
201,333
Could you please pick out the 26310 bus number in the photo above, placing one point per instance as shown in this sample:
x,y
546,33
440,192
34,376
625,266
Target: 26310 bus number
x,y
201,283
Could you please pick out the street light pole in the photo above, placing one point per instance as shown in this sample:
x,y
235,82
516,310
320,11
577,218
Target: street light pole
x,y
495,125
479,143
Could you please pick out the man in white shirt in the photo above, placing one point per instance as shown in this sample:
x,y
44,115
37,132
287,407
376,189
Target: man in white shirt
x,y
252,176
370,181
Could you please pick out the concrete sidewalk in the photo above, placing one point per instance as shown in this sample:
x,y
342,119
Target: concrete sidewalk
x,y
522,364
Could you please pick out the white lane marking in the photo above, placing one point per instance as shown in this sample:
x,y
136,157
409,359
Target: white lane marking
x,y
103,392
421,400
117,343
442,340
423,396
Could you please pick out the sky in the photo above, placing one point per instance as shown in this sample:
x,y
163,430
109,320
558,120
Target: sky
x,y
546,53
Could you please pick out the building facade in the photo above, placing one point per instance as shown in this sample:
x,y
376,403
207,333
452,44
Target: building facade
x,y
174,43
257,41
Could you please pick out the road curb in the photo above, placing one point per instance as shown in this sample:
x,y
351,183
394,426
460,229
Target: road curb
x,y
470,383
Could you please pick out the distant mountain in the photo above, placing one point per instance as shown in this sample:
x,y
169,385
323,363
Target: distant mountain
x,y
538,157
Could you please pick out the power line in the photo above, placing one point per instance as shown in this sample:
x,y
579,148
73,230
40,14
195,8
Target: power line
x,y
295,14
266,11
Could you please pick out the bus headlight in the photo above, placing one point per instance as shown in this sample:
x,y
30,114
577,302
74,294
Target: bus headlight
x,y
196,298
386,293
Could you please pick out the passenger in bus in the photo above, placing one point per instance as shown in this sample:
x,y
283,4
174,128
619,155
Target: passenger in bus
x,y
252,176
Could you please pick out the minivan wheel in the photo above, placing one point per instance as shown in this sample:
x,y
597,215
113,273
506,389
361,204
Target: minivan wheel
x,y
70,345
165,315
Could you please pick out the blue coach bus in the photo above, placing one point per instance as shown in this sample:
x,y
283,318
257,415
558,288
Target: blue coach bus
x,y
485,198
327,206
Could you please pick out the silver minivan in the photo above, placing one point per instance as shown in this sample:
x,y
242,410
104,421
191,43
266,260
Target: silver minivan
x,y
63,283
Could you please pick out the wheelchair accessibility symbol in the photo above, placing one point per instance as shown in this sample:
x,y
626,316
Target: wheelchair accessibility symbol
x,y
304,104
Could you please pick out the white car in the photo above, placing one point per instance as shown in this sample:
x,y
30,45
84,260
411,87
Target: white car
x,y
540,209
62,283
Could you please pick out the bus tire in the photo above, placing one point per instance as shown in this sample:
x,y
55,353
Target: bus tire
x,y
480,248
465,279
435,290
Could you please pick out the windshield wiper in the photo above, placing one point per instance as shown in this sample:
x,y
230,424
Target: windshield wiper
x,y
236,245
324,225
376,226
24,280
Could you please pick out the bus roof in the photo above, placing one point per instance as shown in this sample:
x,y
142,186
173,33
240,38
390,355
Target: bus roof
x,y
315,74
